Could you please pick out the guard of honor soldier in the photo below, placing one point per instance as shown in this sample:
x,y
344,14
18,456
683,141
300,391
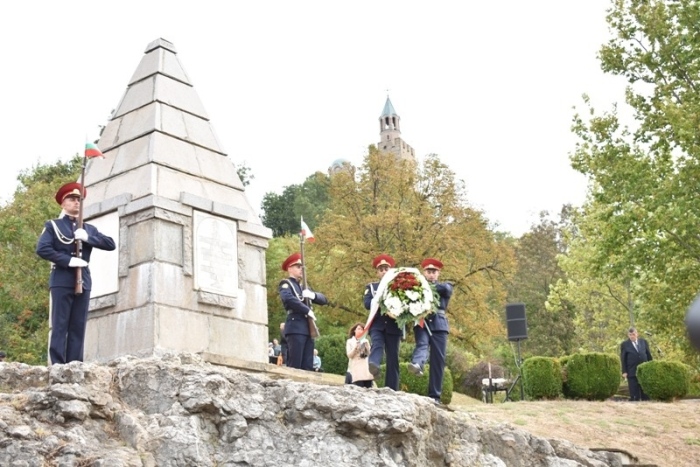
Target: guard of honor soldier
x,y
384,332
69,309
300,345
432,333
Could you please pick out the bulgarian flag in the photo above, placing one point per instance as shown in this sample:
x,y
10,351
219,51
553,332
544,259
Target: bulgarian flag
x,y
91,150
306,231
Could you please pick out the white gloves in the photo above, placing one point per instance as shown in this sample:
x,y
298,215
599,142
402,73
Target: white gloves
x,y
77,262
81,234
306,293
311,315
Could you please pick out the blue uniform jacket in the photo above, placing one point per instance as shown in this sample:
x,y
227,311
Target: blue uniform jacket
x,y
381,322
438,321
58,246
297,311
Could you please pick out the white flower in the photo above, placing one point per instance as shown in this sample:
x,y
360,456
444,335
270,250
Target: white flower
x,y
394,305
416,308
408,305
413,295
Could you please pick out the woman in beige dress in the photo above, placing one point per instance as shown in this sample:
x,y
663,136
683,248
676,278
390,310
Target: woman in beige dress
x,y
357,348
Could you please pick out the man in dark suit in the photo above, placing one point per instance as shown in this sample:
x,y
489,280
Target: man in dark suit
x,y
634,352
300,344
69,310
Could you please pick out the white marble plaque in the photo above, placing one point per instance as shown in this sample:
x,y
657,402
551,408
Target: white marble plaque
x,y
104,265
215,254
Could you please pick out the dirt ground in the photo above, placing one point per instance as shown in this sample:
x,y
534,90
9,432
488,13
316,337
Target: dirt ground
x,y
657,433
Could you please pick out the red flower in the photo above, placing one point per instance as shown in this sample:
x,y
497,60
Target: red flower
x,y
404,281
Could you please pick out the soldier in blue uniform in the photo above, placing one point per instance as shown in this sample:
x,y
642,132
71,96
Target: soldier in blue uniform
x,y
436,339
300,345
384,332
57,244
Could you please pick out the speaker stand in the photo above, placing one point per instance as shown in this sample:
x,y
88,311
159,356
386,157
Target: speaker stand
x,y
519,364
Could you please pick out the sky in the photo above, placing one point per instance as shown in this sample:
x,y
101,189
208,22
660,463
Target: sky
x,y
290,87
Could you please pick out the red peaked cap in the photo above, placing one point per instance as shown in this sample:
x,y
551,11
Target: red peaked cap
x,y
69,189
383,260
292,260
431,263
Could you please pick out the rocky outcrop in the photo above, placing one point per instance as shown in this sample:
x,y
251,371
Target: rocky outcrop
x,y
177,410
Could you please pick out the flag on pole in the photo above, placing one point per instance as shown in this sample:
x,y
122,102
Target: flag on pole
x,y
91,150
306,231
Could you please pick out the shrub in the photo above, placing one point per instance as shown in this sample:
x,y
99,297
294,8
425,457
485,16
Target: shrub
x,y
694,388
406,351
459,361
542,378
472,382
408,382
591,376
663,380
331,349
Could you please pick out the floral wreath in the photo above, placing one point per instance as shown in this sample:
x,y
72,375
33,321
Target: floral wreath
x,y
405,295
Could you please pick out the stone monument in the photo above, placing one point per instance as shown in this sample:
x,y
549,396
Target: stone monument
x,y
189,270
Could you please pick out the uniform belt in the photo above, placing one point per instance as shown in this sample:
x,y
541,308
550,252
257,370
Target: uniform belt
x,y
440,312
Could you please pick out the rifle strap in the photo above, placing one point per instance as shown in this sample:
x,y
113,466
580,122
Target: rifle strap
x,y
294,290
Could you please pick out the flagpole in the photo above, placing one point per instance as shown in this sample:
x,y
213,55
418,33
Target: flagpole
x,y
313,328
79,243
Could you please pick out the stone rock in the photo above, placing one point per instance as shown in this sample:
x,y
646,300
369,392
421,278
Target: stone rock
x,y
178,410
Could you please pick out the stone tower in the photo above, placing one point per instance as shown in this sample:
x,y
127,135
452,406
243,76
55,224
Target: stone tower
x,y
189,270
390,134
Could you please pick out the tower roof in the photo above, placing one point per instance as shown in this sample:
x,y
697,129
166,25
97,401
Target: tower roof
x,y
388,109
339,163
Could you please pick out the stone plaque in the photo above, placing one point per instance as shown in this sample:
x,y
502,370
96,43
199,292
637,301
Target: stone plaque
x,y
215,254
104,265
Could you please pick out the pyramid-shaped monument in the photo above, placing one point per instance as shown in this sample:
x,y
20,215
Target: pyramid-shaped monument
x,y
189,273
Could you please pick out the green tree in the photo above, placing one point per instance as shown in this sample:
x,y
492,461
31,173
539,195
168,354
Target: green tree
x,y
244,173
411,212
23,275
643,177
276,212
550,332
282,213
602,307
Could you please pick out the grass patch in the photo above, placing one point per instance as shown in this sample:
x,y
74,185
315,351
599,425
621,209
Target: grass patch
x,y
601,423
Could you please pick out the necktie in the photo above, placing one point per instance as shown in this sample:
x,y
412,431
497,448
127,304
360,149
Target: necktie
x,y
635,346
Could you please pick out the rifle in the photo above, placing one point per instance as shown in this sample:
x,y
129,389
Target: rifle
x,y
79,243
313,329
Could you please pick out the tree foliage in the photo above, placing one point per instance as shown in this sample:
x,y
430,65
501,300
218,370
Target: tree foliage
x,y
23,275
282,213
550,331
245,173
410,212
602,306
643,210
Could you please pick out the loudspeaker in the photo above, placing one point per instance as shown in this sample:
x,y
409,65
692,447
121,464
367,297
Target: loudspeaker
x,y
516,321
